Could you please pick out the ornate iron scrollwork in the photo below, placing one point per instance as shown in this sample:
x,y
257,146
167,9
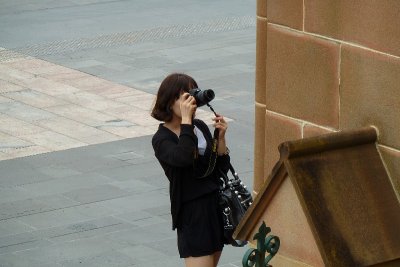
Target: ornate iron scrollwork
x,y
265,244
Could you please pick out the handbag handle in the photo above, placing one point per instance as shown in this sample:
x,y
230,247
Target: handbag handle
x,y
232,170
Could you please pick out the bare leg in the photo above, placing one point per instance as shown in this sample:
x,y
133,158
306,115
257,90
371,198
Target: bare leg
x,y
204,261
216,255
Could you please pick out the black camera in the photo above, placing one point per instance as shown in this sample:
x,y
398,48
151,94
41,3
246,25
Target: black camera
x,y
202,97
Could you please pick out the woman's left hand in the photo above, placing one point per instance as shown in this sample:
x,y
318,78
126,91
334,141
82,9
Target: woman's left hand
x,y
221,125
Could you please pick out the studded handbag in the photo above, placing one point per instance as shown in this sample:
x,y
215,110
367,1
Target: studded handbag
x,y
234,200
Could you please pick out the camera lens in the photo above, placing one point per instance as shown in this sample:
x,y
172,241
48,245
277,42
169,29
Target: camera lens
x,y
208,95
202,97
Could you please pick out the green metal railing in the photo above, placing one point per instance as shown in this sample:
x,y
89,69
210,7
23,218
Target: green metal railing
x,y
265,244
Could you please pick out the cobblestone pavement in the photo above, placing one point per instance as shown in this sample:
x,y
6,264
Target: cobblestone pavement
x,y
79,184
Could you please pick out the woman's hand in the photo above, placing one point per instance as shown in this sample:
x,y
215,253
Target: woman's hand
x,y
188,108
222,126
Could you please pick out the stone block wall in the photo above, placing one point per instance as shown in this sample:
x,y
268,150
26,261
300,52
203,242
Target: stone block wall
x,y
324,66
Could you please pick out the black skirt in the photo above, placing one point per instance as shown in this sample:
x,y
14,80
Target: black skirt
x,y
200,230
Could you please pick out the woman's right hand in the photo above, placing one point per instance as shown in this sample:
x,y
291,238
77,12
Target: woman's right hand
x,y
188,108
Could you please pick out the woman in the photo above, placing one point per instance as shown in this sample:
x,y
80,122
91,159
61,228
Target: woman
x,y
183,146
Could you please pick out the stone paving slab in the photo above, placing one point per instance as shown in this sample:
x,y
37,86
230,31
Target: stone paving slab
x,y
51,113
46,107
90,215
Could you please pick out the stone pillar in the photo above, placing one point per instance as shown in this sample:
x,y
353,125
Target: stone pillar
x,y
324,66
261,46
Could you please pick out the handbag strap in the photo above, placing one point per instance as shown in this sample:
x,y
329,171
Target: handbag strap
x,y
225,176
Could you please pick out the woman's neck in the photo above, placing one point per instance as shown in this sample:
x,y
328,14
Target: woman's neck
x,y
174,124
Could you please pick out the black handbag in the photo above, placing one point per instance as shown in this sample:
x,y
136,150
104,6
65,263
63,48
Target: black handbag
x,y
234,200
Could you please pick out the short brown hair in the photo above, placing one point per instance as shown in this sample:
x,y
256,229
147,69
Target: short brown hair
x,y
170,90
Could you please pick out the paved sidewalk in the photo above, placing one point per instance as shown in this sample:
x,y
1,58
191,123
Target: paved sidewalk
x,y
79,183
47,107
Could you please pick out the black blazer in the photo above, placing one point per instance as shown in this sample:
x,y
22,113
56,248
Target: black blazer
x,y
180,159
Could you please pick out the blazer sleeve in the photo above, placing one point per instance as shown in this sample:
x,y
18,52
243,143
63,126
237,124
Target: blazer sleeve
x,y
223,163
181,154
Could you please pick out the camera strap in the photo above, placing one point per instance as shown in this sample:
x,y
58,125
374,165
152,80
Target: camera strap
x,y
214,154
